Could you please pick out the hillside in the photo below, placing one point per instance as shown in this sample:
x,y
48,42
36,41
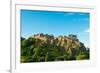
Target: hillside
x,y
43,47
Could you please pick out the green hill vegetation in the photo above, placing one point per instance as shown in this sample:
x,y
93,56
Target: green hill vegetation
x,y
43,48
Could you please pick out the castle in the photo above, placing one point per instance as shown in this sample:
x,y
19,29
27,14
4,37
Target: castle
x,y
43,36
46,36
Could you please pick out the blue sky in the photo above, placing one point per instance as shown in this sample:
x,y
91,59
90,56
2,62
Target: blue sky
x,y
56,23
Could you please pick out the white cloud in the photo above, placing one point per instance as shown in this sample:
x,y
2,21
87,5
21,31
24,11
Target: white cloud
x,y
88,30
82,14
70,13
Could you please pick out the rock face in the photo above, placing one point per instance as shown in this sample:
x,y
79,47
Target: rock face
x,y
70,43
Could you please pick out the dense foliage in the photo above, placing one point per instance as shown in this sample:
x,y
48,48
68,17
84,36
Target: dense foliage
x,y
37,50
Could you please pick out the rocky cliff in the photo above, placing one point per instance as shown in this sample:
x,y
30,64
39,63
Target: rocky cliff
x,y
54,47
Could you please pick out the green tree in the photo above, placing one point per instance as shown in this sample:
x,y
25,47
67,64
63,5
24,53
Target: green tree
x,y
83,56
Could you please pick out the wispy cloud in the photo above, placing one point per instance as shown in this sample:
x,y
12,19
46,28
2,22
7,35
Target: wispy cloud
x,y
69,13
88,30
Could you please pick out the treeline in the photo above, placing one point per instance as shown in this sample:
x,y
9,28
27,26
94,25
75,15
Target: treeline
x,y
37,50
